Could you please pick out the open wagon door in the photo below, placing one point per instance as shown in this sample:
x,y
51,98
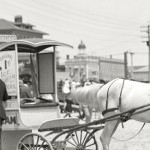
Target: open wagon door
x,y
46,73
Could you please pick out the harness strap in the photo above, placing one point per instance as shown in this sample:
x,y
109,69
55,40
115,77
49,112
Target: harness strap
x,y
121,94
108,93
109,110
113,109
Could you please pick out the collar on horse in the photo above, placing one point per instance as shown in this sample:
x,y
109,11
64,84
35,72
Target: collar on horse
x,y
107,99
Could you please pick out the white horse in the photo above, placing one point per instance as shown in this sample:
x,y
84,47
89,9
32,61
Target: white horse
x,y
86,93
116,96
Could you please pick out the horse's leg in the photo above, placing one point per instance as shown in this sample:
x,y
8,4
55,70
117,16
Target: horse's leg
x,y
88,113
109,129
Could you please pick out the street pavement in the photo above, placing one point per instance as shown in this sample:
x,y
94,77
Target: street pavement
x,y
128,138
125,139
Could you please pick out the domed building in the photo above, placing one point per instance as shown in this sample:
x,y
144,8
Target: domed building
x,y
84,67
82,49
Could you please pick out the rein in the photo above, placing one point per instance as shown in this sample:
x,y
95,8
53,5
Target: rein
x,y
132,136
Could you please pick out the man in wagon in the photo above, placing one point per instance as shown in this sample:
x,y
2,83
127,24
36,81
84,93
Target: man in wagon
x,y
25,91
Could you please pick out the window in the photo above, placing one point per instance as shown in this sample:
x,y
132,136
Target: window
x,y
39,82
28,73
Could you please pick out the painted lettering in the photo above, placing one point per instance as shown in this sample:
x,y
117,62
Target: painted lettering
x,y
3,57
10,120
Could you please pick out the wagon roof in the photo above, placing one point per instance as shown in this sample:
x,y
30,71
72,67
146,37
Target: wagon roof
x,y
31,45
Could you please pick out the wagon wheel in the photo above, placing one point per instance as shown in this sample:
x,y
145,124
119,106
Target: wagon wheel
x,y
81,140
33,141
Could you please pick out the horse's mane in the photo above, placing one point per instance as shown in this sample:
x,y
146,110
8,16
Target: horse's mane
x,y
86,95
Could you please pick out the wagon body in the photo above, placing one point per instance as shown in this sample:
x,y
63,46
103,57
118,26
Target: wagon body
x,y
32,60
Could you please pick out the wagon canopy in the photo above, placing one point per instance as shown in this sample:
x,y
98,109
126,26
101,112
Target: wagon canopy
x,y
34,45
32,61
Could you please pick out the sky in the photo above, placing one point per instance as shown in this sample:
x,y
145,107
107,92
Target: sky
x,y
106,27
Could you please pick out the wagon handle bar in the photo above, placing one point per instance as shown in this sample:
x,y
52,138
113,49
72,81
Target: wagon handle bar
x,y
119,114
103,120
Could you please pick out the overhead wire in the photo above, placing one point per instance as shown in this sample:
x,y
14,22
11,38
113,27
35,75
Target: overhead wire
x,y
116,44
60,28
86,16
72,19
82,12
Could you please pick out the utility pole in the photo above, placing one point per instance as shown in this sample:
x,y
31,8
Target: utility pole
x,y
126,64
148,44
131,53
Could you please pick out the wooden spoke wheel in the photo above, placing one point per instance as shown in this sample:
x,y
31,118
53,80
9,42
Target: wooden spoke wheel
x,y
81,140
33,141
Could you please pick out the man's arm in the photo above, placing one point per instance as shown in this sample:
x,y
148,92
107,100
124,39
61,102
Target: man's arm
x,y
5,97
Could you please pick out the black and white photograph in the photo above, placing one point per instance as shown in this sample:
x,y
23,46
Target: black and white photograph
x,y
74,74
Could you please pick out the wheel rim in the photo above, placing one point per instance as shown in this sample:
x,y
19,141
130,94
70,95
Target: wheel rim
x,y
34,141
81,140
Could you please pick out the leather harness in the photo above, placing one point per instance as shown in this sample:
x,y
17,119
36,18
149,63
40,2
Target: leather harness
x,y
107,99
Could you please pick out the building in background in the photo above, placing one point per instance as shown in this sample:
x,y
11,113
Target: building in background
x,y
84,67
20,29
140,73
81,67
111,68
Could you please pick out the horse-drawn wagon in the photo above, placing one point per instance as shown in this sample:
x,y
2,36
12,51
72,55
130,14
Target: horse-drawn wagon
x,y
68,133
32,61
34,123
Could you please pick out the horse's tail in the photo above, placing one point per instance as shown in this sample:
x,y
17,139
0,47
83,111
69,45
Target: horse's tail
x,y
86,95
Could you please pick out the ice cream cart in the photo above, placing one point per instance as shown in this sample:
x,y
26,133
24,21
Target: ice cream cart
x,y
33,62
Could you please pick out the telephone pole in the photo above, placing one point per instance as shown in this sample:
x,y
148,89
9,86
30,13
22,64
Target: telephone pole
x,y
126,64
148,44
131,53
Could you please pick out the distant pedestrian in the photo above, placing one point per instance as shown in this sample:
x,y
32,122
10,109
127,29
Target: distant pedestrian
x,y
68,107
60,85
66,87
66,90
73,85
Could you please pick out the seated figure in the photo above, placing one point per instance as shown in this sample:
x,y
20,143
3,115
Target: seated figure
x,y
25,91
